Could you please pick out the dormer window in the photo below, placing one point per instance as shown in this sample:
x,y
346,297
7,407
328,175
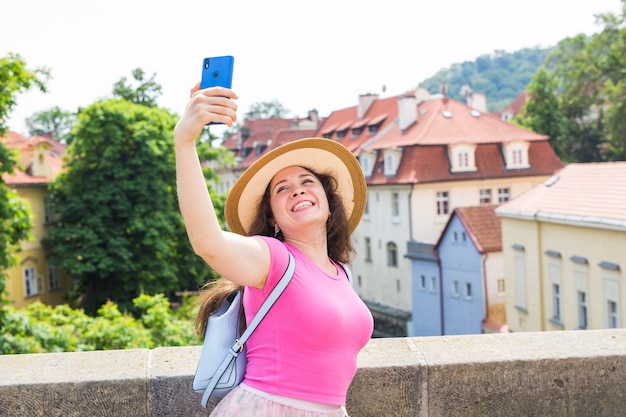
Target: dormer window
x,y
357,132
516,155
391,161
373,128
462,157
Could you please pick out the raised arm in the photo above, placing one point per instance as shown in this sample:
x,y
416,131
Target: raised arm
x,y
222,250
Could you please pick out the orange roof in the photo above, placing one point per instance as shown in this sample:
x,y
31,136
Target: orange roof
x,y
385,110
22,144
483,227
424,164
515,106
444,121
584,193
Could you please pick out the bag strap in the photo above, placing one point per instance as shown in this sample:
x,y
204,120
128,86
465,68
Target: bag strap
x,y
269,302
239,343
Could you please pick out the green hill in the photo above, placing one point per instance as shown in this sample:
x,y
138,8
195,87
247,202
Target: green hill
x,y
502,76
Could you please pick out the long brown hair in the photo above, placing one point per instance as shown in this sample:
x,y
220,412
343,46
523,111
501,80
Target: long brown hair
x,y
340,248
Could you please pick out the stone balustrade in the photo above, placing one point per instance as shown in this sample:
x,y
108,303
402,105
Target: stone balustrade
x,y
568,373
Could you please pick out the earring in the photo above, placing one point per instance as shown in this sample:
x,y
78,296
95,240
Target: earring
x,y
276,230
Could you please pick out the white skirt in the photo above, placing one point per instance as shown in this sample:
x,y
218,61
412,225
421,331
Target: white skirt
x,y
245,401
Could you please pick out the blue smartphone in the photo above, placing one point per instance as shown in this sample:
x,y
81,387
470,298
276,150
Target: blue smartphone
x,y
217,71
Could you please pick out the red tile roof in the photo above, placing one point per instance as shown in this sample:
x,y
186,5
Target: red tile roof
x,y
592,193
444,121
22,144
515,106
424,164
483,227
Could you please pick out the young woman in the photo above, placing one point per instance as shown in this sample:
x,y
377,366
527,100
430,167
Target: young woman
x,y
305,198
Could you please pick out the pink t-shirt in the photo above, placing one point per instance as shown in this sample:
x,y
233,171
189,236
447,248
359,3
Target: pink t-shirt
x,y
306,346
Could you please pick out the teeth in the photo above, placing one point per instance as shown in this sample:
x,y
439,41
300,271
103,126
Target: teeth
x,y
302,204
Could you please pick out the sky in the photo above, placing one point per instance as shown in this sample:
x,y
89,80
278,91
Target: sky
x,y
306,55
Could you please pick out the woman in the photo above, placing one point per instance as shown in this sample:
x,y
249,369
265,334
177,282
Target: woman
x,y
304,198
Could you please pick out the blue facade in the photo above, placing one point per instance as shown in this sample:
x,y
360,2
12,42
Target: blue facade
x,y
426,297
463,298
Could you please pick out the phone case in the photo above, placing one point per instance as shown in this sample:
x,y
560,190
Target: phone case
x,y
217,71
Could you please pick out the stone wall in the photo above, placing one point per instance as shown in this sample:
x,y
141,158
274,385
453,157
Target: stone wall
x,y
569,373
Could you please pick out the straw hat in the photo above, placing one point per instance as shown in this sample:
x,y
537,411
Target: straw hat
x,y
317,154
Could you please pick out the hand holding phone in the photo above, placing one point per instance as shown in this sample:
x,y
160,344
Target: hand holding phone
x,y
217,71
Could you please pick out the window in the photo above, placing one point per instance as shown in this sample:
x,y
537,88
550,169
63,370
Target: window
x,y
582,310
397,285
392,254
611,280
468,291
520,280
423,282
442,203
433,284
53,277
501,286
463,160
485,196
30,282
342,134
357,131
556,302
373,128
455,288
613,318
395,206
503,195
48,210
368,249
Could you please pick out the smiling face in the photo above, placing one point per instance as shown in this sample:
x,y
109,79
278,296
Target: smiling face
x,y
297,199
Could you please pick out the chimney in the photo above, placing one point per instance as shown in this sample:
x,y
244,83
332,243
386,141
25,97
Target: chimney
x,y
365,102
314,116
40,166
407,110
477,101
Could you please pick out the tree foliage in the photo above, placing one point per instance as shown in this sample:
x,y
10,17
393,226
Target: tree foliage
x,y
588,78
502,76
146,92
54,122
40,328
119,232
266,110
15,215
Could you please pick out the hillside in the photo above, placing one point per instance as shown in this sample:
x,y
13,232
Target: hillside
x,y
502,76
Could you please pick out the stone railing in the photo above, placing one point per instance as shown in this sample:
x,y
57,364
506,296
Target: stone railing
x,y
569,373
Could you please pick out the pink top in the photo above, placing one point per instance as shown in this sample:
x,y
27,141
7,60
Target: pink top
x,y
306,346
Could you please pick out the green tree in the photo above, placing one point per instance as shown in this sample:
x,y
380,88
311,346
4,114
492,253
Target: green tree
x,y
146,92
54,121
542,112
119,231
266,110
590,71
15,216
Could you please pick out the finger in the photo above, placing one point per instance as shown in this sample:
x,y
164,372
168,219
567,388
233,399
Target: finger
x,y
194,89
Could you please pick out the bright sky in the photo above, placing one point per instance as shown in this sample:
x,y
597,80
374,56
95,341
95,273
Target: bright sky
x,y
307,55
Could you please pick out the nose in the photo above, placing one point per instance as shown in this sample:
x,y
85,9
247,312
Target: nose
x,y
296,192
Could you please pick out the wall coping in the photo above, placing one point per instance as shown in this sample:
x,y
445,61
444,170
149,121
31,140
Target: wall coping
x,y
566,373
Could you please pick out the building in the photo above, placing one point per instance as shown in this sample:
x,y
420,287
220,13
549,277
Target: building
x,y
564,246
471,278
423,156
33,278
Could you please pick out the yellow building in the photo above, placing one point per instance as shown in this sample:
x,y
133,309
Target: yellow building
x,y
564,245
33,278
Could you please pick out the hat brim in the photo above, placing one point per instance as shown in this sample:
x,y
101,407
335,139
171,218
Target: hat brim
x,y
318,154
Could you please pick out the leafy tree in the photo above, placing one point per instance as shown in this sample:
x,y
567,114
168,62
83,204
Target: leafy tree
x,y
266,110
542,112
119,231
592,90
145,93
15,216
54,121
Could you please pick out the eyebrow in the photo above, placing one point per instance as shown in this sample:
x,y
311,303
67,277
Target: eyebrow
x,y
305,174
